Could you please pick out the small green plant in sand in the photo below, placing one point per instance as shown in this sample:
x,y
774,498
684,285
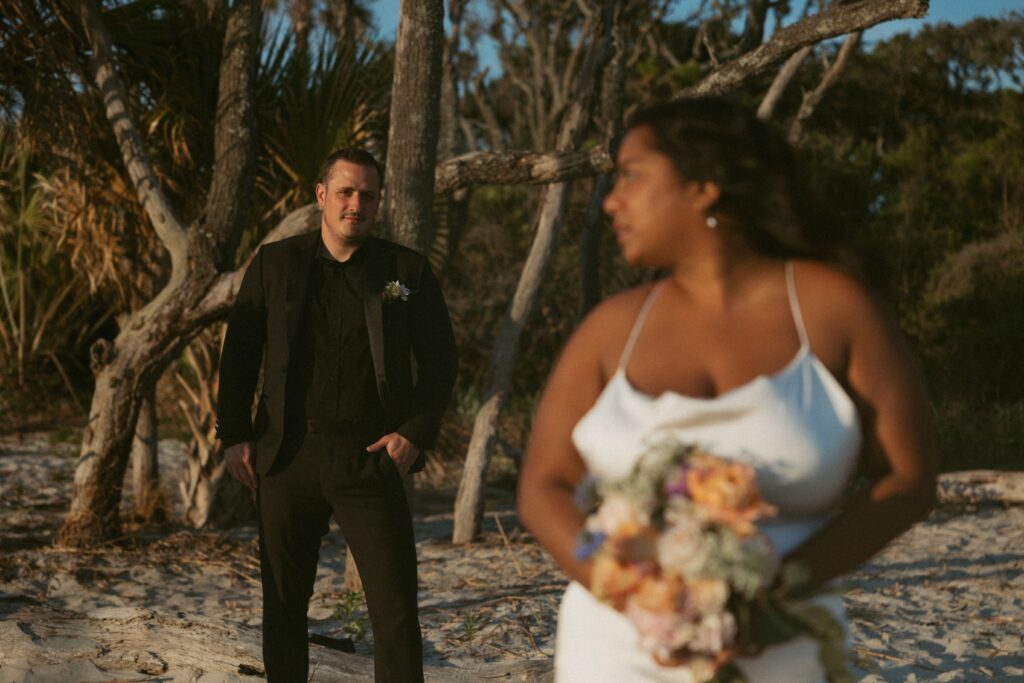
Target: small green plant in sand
x,y
470,625
351,612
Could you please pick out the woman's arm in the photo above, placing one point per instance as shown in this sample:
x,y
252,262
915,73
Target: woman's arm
x,y
899,443
552,468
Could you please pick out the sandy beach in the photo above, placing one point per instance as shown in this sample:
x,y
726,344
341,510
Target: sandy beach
x,y
943,603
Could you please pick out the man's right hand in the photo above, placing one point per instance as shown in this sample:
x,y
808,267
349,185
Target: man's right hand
x,y
239,462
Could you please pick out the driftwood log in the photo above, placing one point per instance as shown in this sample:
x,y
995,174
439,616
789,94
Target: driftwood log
x,y
981,486
43,644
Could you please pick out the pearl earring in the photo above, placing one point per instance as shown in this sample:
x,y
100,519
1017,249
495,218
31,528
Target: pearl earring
x,y
711,222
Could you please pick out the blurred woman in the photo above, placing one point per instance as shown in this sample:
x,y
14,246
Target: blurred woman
x,y
756,346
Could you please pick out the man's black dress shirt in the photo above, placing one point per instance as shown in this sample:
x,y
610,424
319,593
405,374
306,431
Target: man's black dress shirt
x,y
335,385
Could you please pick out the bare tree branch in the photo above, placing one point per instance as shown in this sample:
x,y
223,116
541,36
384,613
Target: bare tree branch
x,y
835,21
753,29
483,103
221,295
516,168
811,99
449,128
771,98
151,195
234,140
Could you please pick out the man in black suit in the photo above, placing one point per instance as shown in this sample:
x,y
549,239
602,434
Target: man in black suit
x,y
358,361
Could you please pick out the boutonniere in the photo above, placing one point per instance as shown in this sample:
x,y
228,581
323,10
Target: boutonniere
x,y
395,291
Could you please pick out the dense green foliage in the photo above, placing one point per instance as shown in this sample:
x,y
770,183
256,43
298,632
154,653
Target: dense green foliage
x,y
73,237
923,142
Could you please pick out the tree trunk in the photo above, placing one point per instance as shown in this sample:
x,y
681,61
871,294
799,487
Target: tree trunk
x,y
415,117
613,87
590,246
146,503
132,367
127,369
210,496
352,581
469,503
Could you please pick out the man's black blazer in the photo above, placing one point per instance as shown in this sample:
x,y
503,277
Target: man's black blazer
x,y
264,322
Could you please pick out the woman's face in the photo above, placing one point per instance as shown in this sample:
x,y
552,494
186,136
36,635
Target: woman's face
x,y
651,207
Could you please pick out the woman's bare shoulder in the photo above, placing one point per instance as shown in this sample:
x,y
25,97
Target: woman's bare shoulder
x,y
603,332
830,288
621,307
614,317
839,304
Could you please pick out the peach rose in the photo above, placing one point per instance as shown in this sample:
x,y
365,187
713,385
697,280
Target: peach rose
x,y
659,593
613,582
727,493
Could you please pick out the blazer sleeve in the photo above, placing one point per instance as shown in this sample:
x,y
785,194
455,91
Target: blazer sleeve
x,y
433,348
241,357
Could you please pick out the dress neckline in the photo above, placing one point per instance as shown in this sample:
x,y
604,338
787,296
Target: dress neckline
x,y
804,352
798,323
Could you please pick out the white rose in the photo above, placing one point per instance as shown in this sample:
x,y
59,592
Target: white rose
x,y
681,547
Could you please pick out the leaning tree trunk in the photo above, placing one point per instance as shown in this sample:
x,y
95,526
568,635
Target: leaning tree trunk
x,y
127,368
126,372
469,502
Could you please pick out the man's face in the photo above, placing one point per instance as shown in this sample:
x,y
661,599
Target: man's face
x,y
349,202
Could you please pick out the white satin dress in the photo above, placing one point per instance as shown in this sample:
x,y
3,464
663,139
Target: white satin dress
x,y
800,431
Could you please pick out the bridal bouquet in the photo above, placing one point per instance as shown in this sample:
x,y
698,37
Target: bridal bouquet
x,y
675,548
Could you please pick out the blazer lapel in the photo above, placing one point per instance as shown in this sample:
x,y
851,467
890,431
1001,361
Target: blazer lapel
x,y
300,267
377,265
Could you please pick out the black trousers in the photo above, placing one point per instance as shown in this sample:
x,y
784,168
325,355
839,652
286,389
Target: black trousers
x,y
333,475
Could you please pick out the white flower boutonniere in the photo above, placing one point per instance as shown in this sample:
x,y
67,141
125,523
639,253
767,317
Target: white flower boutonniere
x,y
395,291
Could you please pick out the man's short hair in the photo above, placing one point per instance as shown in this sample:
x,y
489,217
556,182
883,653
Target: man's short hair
x,y
354,155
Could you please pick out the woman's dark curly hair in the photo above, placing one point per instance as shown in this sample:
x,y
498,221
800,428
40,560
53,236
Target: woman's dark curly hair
x,y
763,189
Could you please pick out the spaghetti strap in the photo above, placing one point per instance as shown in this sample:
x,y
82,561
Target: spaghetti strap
x,y
638,324
794,306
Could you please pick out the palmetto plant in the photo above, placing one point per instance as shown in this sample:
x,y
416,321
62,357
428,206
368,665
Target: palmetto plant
x,y
313,101
46,314
310,101
170,55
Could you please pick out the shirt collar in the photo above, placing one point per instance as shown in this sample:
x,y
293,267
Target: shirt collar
x,y
325,256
